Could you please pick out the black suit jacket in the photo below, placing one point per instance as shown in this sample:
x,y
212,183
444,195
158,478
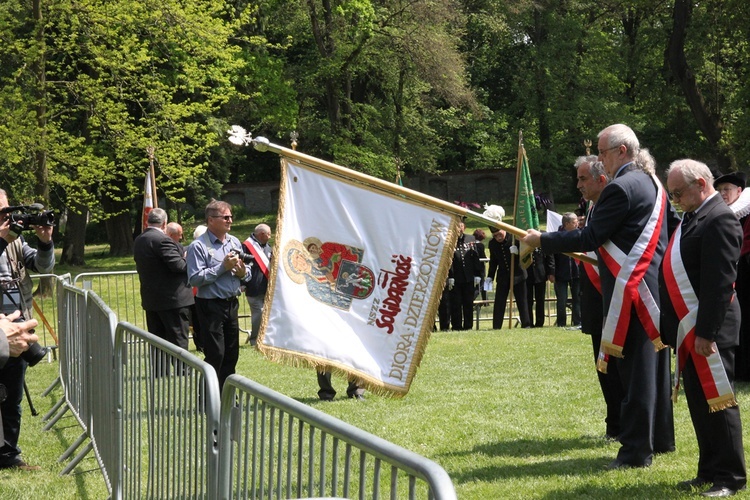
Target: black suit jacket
x,y
162,270
710,248
623,210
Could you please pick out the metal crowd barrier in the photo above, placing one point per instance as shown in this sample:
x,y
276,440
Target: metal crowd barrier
x,y
120,290
73,356
273,446
153,416
169,404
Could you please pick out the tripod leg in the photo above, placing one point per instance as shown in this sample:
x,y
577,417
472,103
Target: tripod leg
x,y
28,398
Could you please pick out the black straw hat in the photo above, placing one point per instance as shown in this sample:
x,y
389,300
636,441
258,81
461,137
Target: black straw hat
x,y
736,178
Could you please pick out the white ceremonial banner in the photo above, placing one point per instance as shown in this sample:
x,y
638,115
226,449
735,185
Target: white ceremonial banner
x,y
356,278
554,221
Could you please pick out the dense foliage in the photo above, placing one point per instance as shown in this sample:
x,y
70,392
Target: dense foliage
x,y
416,85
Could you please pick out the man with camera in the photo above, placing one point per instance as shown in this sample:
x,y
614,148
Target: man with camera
x,y
17,258
216,266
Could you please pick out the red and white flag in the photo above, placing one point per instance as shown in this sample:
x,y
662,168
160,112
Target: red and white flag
x,y
356,278
148,200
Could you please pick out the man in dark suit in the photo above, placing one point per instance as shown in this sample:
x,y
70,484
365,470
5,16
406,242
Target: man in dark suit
x,y
591,182
629,231
463,277
165,294
566,276
503,255
701,320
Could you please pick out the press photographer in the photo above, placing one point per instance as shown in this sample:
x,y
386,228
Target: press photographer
x,y
17,259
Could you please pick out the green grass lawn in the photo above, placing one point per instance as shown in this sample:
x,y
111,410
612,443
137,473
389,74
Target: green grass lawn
x,y
508,414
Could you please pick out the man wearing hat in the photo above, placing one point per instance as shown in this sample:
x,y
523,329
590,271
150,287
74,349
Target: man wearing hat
x,y
730,187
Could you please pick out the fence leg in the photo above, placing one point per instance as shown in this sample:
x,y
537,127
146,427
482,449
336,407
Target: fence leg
x,y
49,389
72,447
57,417
77,459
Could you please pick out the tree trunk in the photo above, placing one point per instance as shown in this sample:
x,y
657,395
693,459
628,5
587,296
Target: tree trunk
x,y
75,239
120,235
709,122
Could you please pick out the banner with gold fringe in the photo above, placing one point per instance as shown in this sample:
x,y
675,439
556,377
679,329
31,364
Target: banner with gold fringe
x,y
356,278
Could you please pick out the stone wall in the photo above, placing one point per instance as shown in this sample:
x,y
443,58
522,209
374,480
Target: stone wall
x,y
492,186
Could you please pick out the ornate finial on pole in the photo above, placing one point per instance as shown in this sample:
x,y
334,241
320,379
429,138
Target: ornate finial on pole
x,y
239,136
293,135
587,143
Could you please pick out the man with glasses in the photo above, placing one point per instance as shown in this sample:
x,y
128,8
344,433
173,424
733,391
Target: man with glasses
x,y
629,230
701,320
215,268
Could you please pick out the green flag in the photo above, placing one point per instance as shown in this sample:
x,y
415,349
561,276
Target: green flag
x,y
526,216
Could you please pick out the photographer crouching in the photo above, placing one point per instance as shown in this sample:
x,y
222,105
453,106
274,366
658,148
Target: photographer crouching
x,y
16,259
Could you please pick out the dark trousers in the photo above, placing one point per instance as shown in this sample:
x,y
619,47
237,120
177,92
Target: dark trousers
x,y
220,332
195,322
561,290
171,325
327,392
611,389
502,291
646,420
462,306
721,456
444,311
535,295
12,376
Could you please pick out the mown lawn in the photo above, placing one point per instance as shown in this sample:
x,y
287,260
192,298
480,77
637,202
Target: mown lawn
x,y
508,414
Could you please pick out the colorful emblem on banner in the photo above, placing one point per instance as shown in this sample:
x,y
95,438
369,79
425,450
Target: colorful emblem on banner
x,y
332,271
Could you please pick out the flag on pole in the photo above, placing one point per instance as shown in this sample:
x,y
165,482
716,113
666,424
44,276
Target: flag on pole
x,y
148,200
526,215
356,278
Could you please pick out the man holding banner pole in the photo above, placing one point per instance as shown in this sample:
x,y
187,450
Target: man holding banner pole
x,y
629,232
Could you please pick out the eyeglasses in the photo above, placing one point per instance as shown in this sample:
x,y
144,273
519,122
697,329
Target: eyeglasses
x,y
225,217
602,151
676,195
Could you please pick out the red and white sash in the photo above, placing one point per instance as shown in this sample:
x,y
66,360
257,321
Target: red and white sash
x,y
630,289
260,256
710,369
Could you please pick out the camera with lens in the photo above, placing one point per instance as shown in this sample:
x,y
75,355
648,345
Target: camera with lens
x,y
245,257
35,353
24,217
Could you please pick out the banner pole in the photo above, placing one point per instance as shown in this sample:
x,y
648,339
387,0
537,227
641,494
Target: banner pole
x,y
262,144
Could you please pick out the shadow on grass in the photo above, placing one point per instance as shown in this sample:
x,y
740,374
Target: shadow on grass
x,y
659,490
530,447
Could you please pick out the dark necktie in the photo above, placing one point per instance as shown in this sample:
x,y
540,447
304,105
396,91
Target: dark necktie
x,y
687,217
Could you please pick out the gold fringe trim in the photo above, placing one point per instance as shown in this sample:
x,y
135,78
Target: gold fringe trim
x,y
658,344
721,403
601,366
298,359
611,349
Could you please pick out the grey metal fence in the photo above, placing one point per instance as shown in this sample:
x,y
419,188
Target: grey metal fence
x,y
273,446
152,413
169,403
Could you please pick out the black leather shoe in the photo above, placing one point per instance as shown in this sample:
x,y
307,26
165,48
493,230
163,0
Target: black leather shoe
x,y
697,483
358,397
718,491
